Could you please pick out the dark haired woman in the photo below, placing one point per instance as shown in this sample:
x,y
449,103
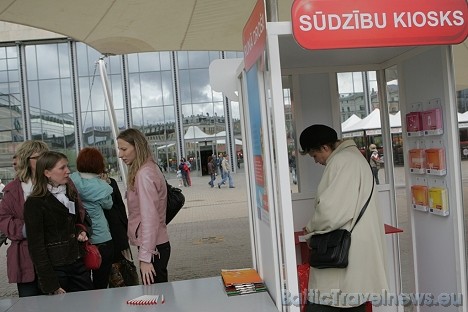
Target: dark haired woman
x,y
54,220
147,202
96,195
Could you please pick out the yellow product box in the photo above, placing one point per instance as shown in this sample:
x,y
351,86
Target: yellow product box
x,y
438,198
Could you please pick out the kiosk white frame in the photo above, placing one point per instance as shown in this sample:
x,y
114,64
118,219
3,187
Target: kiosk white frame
x,y
425,74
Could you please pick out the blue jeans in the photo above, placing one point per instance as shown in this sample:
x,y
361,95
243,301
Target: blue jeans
x,y
227,176
213,178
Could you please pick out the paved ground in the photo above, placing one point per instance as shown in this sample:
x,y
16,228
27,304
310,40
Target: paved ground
x,y
212,231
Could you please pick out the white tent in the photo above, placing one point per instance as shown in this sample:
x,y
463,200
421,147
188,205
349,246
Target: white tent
x,y
223,141
372,126
349,122
371,121
194,132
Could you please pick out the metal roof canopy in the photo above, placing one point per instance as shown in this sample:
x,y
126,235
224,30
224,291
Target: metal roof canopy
x,y
129,26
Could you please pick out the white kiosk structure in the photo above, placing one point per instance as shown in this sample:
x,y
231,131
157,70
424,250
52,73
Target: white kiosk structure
x,y
274,61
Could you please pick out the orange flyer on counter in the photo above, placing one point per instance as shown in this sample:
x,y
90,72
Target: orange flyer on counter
x,y
240,276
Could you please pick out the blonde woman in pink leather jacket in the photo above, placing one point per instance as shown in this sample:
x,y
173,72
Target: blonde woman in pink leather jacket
x,y
146,203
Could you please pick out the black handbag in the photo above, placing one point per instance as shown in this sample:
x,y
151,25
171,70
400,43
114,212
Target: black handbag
x,y
175,202
129,272
330,250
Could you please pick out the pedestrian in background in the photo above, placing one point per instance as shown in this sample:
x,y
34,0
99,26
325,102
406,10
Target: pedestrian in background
x,y
96,196
146,203
219,162
55,224
226,173
20,267
185,171
211,170
375,162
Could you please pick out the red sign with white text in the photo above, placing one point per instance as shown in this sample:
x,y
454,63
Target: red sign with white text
x,y
338,24
254,35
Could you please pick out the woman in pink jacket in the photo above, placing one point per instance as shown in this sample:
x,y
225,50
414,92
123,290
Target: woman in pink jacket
x,y
20,268
146,203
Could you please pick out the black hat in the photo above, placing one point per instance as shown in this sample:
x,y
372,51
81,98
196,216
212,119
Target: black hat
x,y
315,136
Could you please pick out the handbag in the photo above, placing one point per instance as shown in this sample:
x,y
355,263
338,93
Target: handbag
x,y
129,272
92,258
331,250
175,202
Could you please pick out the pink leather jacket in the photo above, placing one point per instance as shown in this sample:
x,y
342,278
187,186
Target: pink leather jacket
x,y
147,211
20,268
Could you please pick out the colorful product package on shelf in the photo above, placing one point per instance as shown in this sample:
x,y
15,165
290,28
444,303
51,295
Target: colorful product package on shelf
x,y
420,195
432,122
435,161
417,159
438,200
413,122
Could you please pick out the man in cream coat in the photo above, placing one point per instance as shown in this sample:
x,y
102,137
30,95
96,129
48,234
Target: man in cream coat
x,y
344,188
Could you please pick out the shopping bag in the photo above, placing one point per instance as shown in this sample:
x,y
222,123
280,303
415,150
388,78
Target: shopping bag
x,y
303,279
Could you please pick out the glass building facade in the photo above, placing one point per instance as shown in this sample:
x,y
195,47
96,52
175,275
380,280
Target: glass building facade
x,y
52,91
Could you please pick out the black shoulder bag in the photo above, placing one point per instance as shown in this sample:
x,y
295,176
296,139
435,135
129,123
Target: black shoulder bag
x,y
330,250
175,202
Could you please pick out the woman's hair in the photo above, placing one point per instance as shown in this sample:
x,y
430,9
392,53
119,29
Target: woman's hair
x,y
26,150
90,160
47,161
142,150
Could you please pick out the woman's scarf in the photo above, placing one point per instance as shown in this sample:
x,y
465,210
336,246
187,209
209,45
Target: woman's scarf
x,y
60,192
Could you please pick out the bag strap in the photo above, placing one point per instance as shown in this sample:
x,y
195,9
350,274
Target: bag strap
x,y
365,205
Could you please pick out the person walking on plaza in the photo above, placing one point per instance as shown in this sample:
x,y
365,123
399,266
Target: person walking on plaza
x,y
185,171
55,224
96,196
146,203
346,185
226,173
375,162
20,268
219,162
211,171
